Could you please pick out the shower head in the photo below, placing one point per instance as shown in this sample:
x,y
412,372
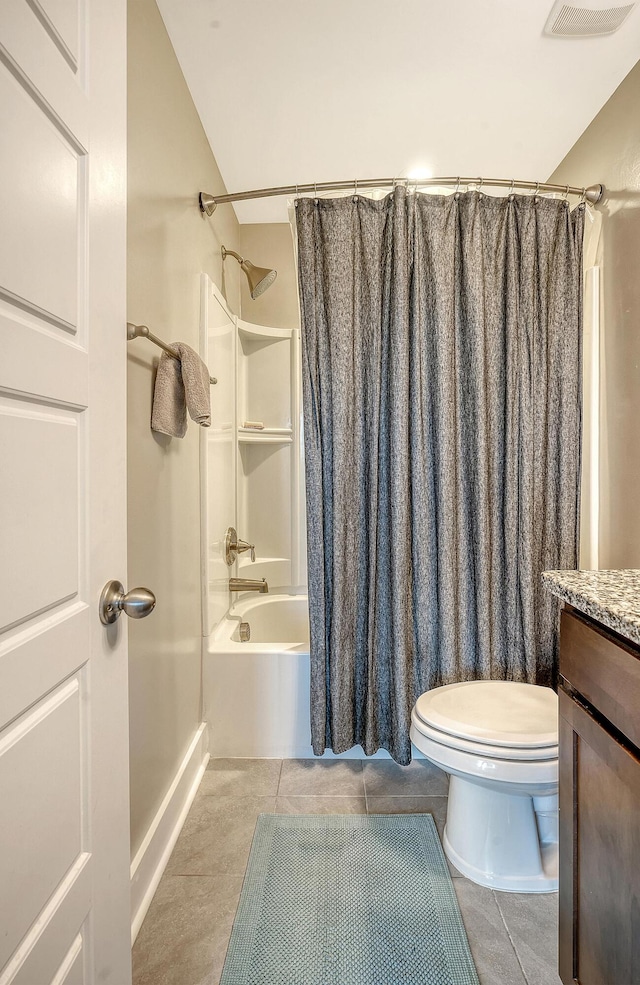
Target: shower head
x,y
260,278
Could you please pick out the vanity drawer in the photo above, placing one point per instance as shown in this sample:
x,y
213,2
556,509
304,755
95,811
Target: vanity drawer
x,y
604,669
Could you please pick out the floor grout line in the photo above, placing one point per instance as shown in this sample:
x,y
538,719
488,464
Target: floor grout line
x,y
514,948
443,796
203,875
364,786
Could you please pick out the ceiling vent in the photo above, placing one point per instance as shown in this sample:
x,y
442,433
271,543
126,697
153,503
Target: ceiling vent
x,y
586,21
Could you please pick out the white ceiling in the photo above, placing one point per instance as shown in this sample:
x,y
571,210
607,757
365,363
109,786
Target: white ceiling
x,y
302,90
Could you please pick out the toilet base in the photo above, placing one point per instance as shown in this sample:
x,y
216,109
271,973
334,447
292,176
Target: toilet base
x,y
505,841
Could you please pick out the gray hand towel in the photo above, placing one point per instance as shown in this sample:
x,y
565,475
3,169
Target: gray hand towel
x,y
180,386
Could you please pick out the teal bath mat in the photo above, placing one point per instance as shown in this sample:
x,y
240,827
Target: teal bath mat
x,y
348,900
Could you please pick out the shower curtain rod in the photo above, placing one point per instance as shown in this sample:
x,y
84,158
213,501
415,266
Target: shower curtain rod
x,y
208,203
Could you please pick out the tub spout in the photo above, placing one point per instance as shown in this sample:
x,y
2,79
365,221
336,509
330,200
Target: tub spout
x,y
248,585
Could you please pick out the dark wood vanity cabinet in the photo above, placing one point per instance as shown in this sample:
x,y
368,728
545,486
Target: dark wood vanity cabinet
x,y
599,700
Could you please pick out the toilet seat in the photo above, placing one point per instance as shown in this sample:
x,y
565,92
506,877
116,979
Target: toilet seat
x,y
506,718
516,754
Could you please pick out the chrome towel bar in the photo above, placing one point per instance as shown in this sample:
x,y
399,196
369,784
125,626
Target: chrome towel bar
x,y
142,331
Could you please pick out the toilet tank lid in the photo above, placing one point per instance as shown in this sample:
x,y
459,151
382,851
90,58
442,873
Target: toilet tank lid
x,y
502,713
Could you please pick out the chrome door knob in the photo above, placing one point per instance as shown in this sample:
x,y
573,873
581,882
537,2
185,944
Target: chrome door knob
x,y
137,603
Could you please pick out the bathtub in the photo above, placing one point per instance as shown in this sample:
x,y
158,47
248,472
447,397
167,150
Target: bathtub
x,y
256,694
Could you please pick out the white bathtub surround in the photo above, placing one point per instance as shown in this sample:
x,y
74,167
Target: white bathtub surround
x,y
151,858
498,741
250,476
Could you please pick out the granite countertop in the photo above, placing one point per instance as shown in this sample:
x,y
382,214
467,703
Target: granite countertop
x,y
610,597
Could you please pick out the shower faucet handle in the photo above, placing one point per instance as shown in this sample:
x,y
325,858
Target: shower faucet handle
x,y
233,546
243,546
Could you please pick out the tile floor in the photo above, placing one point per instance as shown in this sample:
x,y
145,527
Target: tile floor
x,y
184,937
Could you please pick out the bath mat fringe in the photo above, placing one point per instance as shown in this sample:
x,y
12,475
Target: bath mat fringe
x,y
348,900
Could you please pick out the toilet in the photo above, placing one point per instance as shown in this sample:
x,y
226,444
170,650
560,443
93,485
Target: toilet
x,y
498,741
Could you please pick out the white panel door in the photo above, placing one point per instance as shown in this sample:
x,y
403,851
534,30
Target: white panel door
x,y
64,817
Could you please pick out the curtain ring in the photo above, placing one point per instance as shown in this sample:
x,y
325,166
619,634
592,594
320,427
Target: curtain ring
x,y
457,185
480,183
583,197
535,194
512,186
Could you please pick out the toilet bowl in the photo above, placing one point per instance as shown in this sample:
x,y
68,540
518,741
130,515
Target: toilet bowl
x,y
498,741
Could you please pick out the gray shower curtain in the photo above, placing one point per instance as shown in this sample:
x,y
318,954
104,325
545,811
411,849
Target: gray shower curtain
x,y
442,393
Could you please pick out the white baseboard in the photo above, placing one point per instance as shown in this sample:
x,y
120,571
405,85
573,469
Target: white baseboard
x,y
151,858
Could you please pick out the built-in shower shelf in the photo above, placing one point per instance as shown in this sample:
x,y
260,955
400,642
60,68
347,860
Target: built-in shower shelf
x,y
246,562
248,330
265,435
276,570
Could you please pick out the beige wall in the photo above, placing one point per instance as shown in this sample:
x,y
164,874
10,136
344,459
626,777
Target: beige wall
x,y
609,151
169,244
270,244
